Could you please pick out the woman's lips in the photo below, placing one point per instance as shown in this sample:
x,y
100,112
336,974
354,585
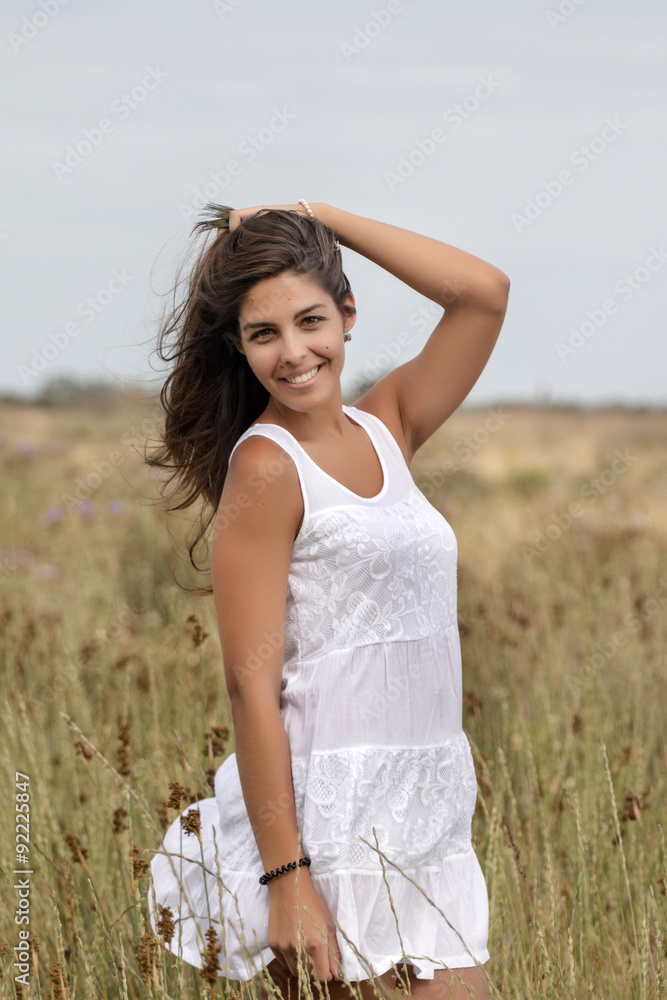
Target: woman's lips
x,y
304,385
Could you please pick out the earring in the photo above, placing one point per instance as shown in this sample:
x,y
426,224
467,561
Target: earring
x,y
347,336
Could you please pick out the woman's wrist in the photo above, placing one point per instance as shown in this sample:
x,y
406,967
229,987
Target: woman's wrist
x,y
319,211
287,881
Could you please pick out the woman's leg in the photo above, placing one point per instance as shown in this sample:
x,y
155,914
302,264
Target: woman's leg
x,y
451,984
335,989
447,984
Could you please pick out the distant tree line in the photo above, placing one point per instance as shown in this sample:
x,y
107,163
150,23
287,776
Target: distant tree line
x,y
68,391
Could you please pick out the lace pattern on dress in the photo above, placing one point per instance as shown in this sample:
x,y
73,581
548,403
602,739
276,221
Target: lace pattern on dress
x,y
361,576
430,792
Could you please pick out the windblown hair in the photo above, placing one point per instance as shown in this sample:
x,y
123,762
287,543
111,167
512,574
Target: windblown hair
x,y
211,396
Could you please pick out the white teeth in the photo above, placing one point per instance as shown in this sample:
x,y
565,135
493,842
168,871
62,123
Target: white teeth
x,y
303,378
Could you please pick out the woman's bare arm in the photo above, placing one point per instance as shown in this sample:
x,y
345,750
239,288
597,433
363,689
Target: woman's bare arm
x,y
443,273
257,521
252,548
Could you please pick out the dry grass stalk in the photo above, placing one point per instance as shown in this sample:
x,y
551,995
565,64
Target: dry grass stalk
x,y
119,816
198,633
59,984
634,806
215,742
122,753
191,823
165,923
162,813
209,972
138,798
177,794
68,893
148,960
139,866
83,749
33,944
77,849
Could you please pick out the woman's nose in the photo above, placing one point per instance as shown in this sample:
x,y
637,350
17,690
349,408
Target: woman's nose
x,y
292,347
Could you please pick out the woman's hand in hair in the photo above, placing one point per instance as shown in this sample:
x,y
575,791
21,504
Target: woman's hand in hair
x,y
237,215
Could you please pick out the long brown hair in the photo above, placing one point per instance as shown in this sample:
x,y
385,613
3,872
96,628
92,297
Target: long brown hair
x,y
211,395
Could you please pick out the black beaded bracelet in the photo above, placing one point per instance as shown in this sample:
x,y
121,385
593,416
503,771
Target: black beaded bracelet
x,y
263,879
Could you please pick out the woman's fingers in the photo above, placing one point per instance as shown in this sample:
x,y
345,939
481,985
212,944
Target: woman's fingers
x,y
289,963
334,956
336,962
237,215
311,964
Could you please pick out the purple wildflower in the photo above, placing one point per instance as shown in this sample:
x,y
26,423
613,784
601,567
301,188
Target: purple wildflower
x,y
54,514
25,447
115,508
85,509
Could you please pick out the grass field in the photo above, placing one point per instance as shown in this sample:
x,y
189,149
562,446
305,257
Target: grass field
x,y
111,691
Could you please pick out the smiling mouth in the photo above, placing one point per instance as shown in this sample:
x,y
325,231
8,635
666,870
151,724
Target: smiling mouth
x,y
306,377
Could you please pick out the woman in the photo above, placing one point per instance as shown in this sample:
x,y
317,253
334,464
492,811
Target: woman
x,y
351,790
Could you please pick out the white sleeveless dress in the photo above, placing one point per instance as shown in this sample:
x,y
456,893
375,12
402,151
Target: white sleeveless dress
x,y
371,701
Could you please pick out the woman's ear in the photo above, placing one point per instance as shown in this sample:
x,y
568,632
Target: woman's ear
x,y
350,311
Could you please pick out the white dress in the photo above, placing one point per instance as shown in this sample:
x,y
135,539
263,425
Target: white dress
x,y
371,702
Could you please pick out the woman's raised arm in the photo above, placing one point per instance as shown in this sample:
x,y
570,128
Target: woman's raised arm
x,y
424,391
441,272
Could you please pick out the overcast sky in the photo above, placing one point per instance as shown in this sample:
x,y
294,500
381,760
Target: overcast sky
x,y
530,133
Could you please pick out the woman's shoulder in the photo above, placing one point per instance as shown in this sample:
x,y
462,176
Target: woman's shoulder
x,y
262,483
257,452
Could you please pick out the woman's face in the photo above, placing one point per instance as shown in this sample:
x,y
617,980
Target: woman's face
x,y
290,325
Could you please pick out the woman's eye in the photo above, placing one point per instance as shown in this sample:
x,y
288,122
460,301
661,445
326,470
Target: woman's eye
x,y
268,330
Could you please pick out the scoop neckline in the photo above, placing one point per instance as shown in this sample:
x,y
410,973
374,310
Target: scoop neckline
x,y
376,449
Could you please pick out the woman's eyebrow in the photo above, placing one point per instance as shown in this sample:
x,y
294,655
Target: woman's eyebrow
x,y
266,322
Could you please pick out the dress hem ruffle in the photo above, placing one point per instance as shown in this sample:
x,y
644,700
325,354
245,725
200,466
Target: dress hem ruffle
x,y
423,968
358,902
